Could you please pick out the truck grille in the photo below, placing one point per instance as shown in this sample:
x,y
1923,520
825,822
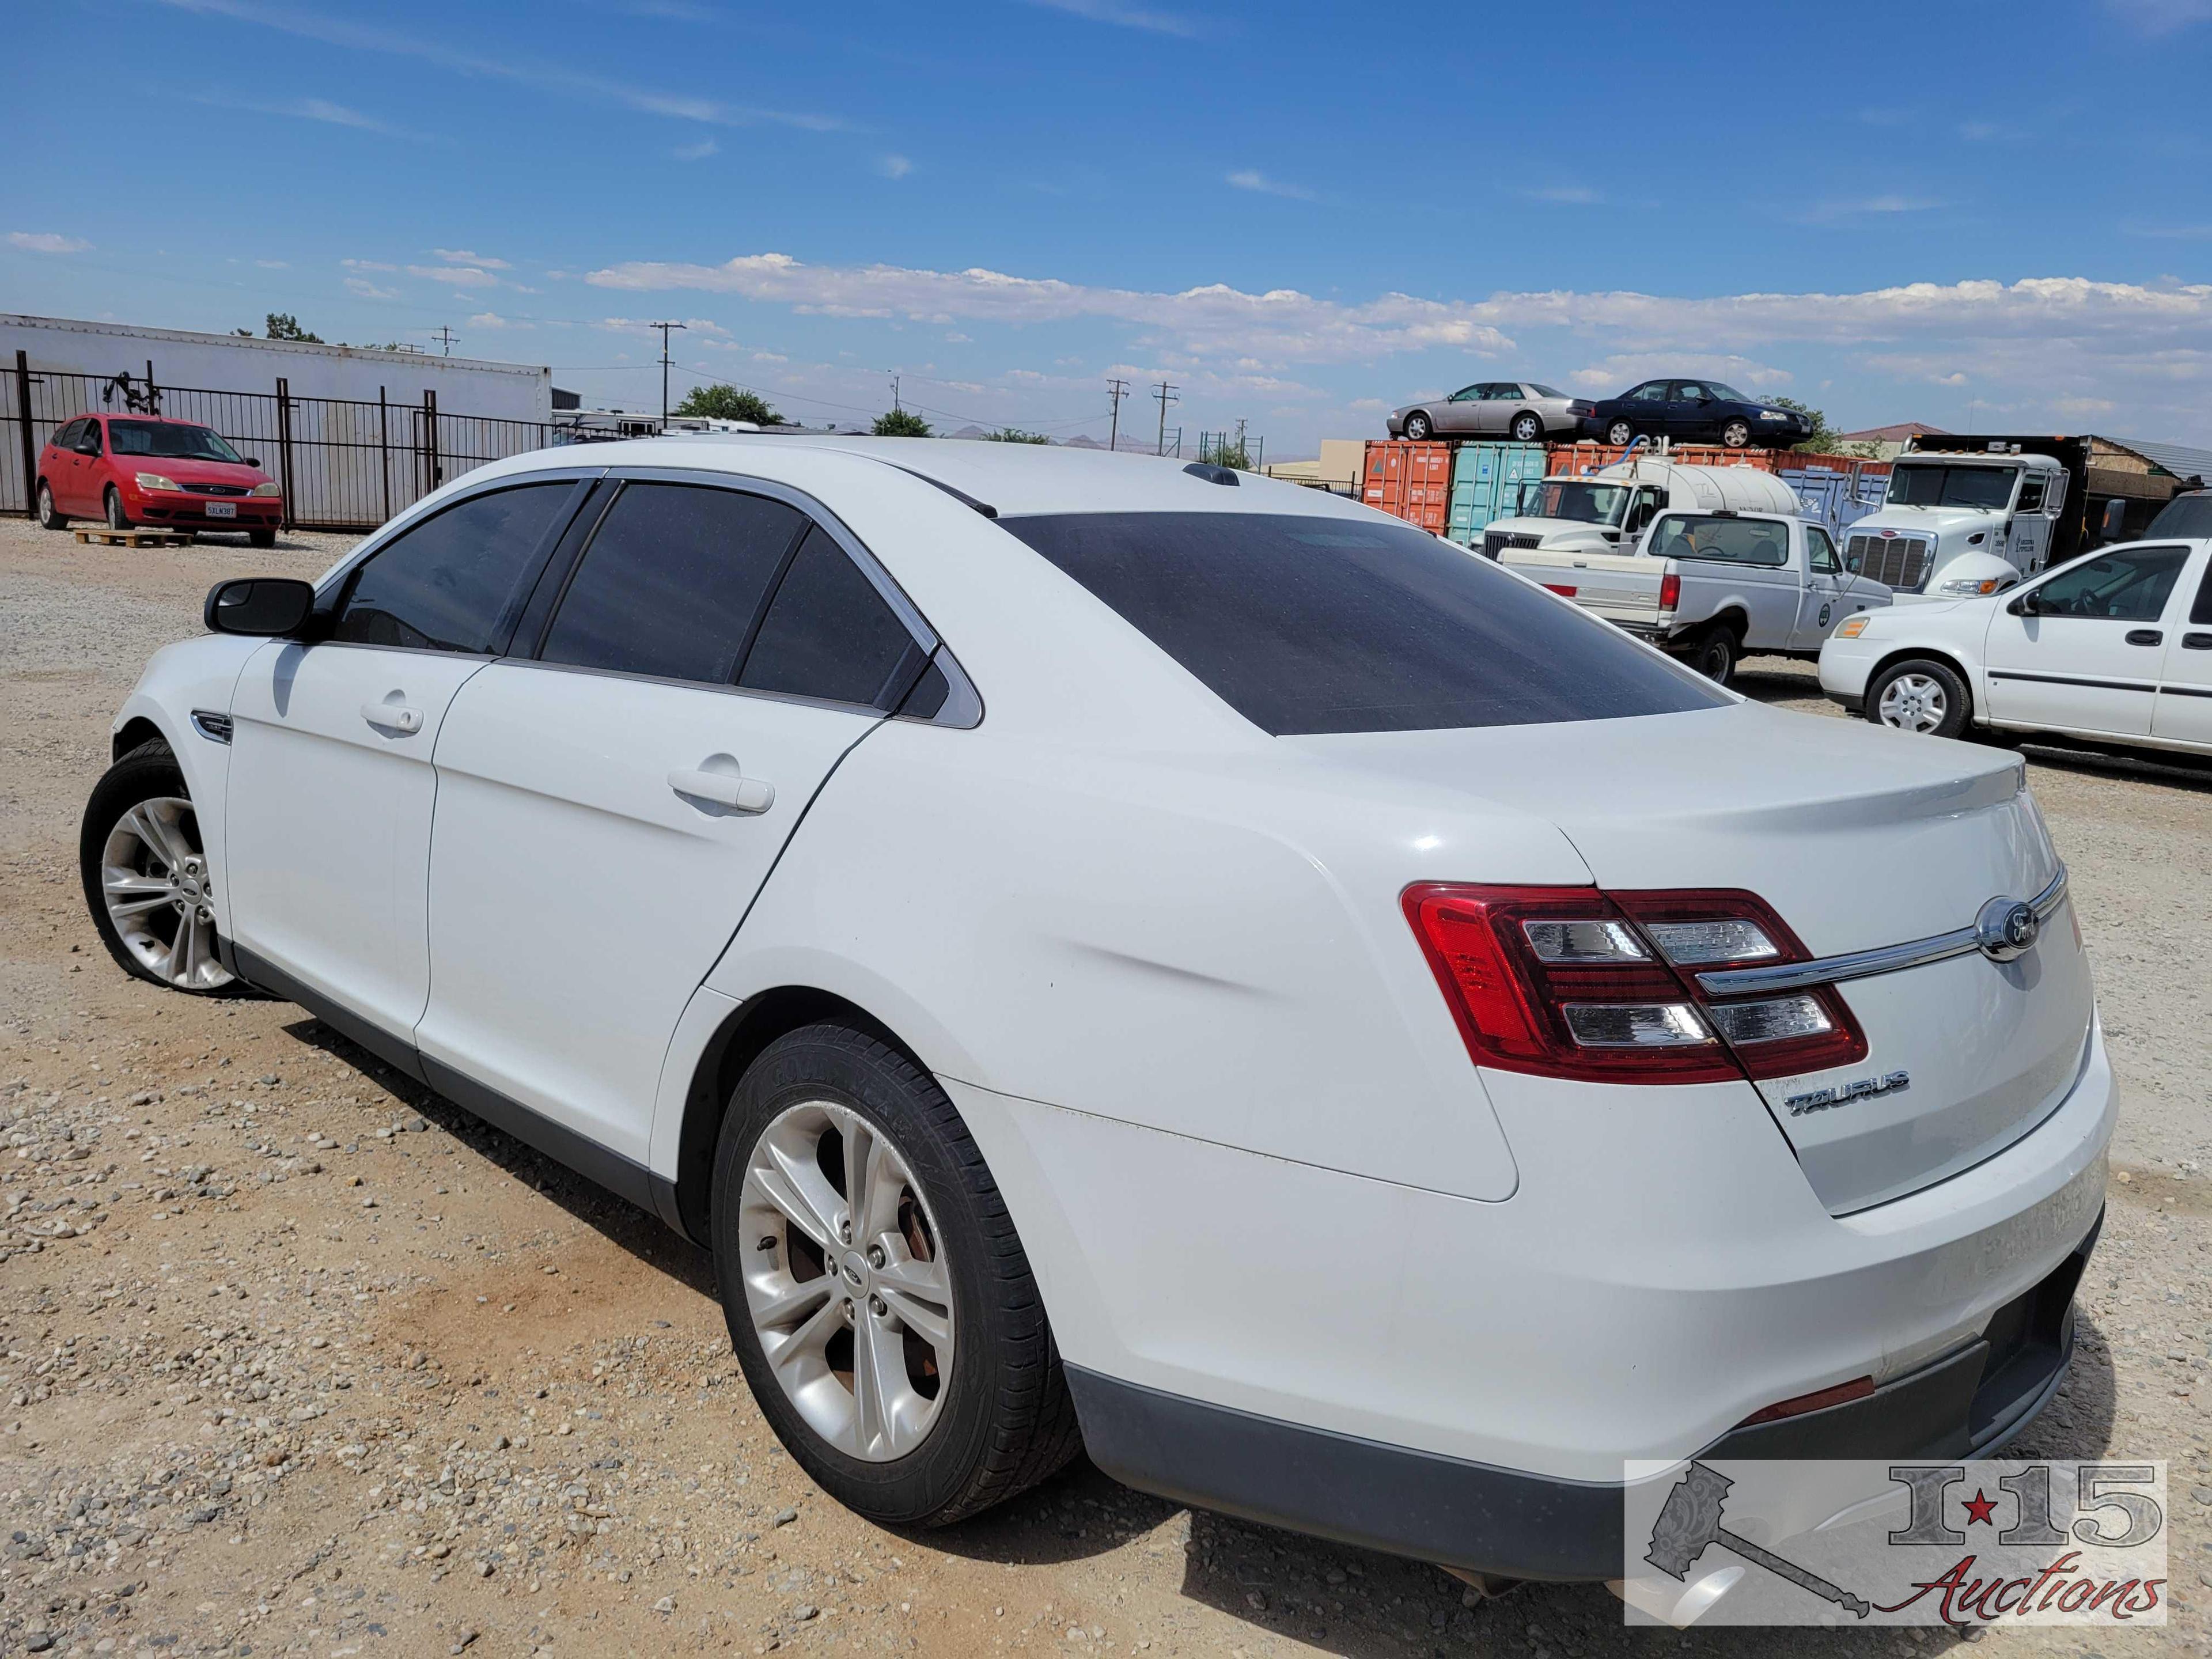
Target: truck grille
x,y
1495,542
1892,560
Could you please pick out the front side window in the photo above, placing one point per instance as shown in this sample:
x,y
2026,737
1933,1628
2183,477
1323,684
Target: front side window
x,y
456,581
829,633
1466,394
1304,623
1762,542
1821,551
1691,391
66,435
88,442
2129,585
171,441
2030,493
672,582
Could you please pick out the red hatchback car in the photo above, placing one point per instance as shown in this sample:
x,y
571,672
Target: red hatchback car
x,y
142,470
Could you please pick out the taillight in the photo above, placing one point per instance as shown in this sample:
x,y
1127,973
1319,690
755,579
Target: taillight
x,y
1572,982
1670,590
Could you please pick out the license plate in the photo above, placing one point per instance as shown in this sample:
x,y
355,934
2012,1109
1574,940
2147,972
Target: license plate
x,y
223,509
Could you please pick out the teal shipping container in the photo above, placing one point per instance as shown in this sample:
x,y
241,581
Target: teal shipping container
x,y
1487,480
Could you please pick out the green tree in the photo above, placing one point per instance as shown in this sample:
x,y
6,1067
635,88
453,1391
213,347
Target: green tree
x,y
283,326
1014,435
728,402
901,423
1823,439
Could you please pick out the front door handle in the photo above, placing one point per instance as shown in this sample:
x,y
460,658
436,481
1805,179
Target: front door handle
x,y
728,789
2196,642
396,718
2144,637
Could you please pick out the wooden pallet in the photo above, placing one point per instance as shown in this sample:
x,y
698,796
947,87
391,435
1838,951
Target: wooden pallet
x,y
137,537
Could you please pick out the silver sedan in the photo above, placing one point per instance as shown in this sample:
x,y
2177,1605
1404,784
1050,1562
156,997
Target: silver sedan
x,y
1526,412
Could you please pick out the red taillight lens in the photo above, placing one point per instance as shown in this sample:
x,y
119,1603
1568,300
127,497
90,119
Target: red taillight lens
x,y
1670,590
1819,1400
1571,983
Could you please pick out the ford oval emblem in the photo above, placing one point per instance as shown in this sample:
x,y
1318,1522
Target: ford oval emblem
x,y
2007,928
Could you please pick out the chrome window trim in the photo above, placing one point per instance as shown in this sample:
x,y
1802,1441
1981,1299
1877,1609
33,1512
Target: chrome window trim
x,y
1864,964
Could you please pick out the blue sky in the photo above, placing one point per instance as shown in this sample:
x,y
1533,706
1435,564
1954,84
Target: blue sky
x,y
1986,216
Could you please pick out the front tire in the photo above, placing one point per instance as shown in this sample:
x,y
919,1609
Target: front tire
x,y
117,517
1418,427
146,876
261,538
50,517
1619,434
1736,433
1920,694
1527,427
877,1294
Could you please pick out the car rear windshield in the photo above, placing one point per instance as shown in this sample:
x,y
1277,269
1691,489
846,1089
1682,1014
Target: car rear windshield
x,y
169,440
1310,624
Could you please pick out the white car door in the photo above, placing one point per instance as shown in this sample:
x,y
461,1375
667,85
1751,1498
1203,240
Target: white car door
x,y
327,811
1821,604
607,810
2184,714
2081,649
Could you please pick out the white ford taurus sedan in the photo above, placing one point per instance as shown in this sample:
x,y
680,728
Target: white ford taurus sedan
x,y
1117,954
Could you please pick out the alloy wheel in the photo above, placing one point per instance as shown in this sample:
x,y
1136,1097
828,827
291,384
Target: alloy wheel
x,y
846,1284
1621,434
154,880
1914,702
1528,429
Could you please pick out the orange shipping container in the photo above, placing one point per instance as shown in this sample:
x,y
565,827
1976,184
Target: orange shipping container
x,y
1584,458
1409,480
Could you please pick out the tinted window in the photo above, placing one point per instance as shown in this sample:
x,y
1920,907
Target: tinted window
x,y
1763,542
673,581
1651,392
2201,612
457,582
2129,586
65,436
827,633
1308,624
2184,516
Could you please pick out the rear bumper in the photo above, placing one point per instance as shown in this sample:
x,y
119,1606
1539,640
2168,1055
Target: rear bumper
x,y
1500,1520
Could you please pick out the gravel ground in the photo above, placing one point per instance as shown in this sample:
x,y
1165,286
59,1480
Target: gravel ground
x,y
298,1358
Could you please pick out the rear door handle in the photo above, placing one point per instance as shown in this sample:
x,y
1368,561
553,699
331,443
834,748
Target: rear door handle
x,y
739,794
2196,642
2144,637
396,718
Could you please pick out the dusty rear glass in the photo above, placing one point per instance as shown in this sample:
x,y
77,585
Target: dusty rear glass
x,y
1307,624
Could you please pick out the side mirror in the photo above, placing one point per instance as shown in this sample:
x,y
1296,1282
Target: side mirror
x,y
254,460
88,445
2114,523
2025,605
264,606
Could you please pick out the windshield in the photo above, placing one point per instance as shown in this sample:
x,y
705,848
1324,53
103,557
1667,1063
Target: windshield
x,y
1951,486
171,441
2184,516
1727,392
1578,499
1307,623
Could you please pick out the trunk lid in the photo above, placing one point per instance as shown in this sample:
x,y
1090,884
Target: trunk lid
x,y
1859,838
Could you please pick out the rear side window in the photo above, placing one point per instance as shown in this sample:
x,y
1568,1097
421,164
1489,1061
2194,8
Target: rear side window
x,y
829,633
673,581
1310,624
1732,541
457,582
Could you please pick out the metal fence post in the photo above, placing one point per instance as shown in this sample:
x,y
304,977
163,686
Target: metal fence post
x,y
30,449
284,448
430,433
384,450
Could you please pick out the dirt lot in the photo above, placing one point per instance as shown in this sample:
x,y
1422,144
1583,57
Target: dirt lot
x,y
300,1359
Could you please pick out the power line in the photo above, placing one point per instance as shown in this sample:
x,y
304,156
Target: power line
x,y
1116,390
664,328
1166,394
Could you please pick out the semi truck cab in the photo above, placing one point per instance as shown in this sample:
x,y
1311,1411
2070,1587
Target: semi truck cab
x,y
1960,523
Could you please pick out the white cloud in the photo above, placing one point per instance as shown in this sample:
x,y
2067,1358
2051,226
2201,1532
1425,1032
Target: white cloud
x,y
1128,17
366,264
309,109
274,265
1253,179
698,152
46,242
493,319
1617,373
1572,195
958,338
368,290
895,166
2162,16
1856,207
461,256
458,276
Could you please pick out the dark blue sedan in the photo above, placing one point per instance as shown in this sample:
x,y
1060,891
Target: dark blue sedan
x,y
1695,411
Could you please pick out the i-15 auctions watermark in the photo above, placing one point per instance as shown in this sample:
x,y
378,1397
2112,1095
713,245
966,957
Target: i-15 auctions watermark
x,y
1741,1542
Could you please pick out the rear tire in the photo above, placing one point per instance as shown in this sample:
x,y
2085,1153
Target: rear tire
x,y
146,877
1715,653
117,517
1920,694
49,517
1418,427
798,1276
1527,427
1619,434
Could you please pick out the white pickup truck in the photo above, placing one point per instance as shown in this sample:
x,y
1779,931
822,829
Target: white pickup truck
x,y
1712,587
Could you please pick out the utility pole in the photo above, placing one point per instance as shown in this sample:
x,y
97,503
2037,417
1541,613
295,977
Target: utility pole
x,y
1116,390
664,328
444,337
1240,438
1166,394
894,390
